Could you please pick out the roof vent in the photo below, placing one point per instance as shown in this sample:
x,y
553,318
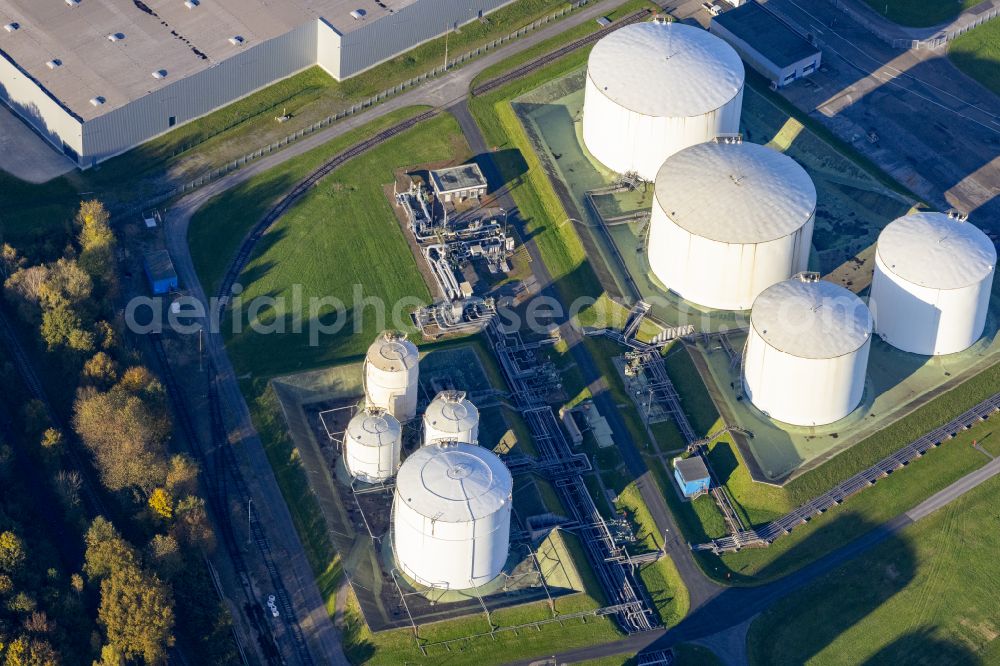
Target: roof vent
x,y
72,3
52,64
236,40
11,27
191,4
97,101
358,14
116,37
160,74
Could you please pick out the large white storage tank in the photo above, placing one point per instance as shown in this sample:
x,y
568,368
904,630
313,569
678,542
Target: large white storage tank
x,y
729,220
391,375
807,353
451,417
655,88
451,516
931,288
372,445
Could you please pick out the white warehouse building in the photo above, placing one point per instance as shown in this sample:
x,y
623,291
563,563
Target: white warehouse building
x,y
392,375
451,417
98,77
451,516
931,290
729,220
807,353
372,445
656,88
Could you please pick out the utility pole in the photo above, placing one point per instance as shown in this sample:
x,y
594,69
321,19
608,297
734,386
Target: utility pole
x,y
249,522
447,31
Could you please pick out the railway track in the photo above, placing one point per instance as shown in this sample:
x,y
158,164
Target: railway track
x,y
220,471
541,61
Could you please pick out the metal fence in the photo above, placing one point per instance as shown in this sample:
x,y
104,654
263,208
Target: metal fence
x,y
351,110
890,37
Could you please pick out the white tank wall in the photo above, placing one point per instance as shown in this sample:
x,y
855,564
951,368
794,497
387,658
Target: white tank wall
x,y
625,140
724,276
393,387
922,320
371,456
803,391
450,555
441,426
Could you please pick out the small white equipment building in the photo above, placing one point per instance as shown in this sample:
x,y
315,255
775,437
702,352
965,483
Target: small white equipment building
x,y
931,290
729,220
451,516
656,88
807,354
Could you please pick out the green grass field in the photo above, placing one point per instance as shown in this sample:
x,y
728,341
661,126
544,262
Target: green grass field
x,y
920,13
925,596
977,53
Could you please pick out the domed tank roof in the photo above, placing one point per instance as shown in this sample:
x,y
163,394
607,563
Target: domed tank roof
x,y
455,483
392,352
936,250
666,69
451,412
735,192
374,427
811,318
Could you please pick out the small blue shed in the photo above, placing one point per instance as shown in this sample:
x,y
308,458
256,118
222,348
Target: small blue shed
x,y
692,476
160,272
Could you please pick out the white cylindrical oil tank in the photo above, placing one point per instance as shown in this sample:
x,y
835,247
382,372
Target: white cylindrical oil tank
x,y
807,352
451,516
931,288
391,375
655,88
372,445
729,220
451,417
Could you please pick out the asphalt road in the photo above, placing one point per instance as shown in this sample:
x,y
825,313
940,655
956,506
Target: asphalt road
x,y
323,639
735,606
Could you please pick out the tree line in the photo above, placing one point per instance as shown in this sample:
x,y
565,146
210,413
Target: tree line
x,y
115,593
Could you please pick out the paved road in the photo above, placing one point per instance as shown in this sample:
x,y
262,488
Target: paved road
x,y
735,606
298,577
951,157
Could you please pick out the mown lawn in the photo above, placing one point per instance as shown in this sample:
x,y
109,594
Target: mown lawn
x,y
925,596
920,13
977,53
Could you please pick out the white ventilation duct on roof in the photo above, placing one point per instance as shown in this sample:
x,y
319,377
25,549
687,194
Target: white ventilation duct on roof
x,y
191,4
236,40
97,101
11,27
115,36
160,74
358,14
72,3
52,64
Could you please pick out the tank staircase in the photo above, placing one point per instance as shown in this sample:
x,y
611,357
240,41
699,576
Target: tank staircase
x,y
635,317
819,505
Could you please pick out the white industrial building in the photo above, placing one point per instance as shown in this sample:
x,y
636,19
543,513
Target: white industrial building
x,y
656,88
931,288
729,220
372,445
392,374
451,417
97,77
451,516
807,353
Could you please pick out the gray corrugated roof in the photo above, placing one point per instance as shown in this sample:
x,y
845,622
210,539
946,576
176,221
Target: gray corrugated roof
x,y
767,34
692,469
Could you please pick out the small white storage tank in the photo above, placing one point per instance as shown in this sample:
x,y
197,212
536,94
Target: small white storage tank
x,y
931,288
807,353
451,417
451,516
372,445
729,220
391,375
655,88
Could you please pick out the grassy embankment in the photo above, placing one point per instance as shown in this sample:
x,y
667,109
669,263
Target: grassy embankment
x,y
920,13
977,53
927,595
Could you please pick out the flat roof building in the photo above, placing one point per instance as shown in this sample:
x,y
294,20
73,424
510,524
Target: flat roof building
x,y
160,271
97,77
465,181
692,476
767,43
